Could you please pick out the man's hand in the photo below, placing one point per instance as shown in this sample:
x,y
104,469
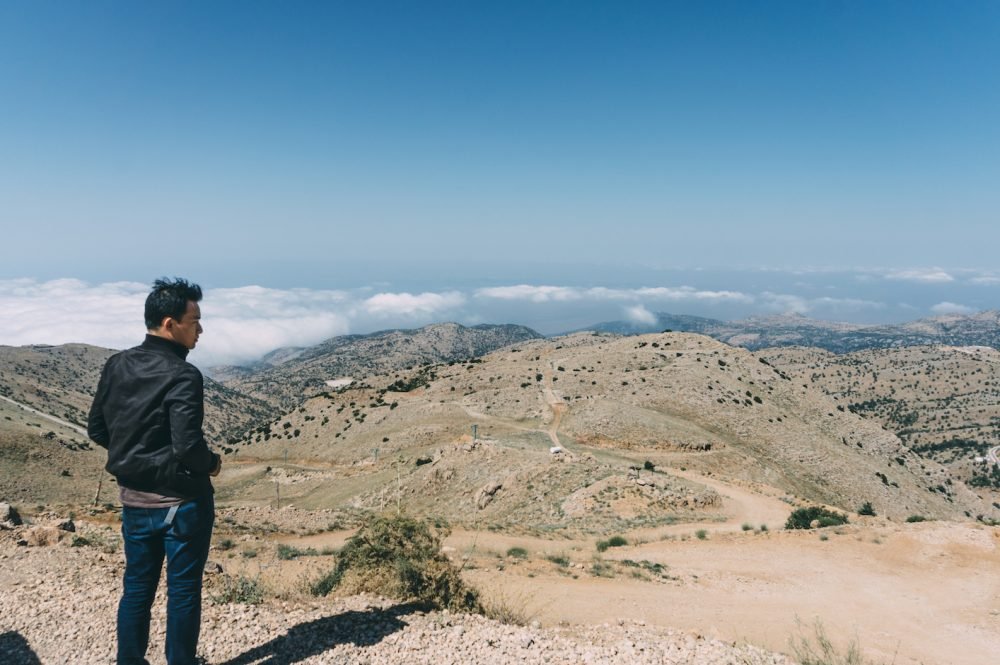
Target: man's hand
x,y
218,467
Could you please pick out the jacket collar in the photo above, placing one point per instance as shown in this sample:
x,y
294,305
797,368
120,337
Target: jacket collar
x,y
155,343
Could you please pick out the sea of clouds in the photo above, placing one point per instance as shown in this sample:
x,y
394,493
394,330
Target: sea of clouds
x,y
241,324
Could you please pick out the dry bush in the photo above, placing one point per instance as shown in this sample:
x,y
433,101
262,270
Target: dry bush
x,y
399,557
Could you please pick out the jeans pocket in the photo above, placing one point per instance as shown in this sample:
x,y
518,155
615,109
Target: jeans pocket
x,y
136,522
192,518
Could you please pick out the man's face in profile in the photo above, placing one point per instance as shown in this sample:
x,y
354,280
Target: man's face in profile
x,y
186,331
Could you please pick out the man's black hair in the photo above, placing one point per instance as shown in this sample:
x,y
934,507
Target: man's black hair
x,y
169,298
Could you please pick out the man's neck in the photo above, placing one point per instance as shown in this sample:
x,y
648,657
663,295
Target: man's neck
x,y
162,341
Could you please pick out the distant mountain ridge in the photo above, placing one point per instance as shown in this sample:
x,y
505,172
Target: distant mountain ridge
x,y
287,376
755,333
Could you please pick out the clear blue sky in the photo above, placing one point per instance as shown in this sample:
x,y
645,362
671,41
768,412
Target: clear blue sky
x,y
270,143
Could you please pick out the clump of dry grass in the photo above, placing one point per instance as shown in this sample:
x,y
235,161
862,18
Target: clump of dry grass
x,y
507,608
400,557
814,647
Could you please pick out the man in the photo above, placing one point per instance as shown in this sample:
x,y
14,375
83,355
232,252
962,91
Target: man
x,y
148,413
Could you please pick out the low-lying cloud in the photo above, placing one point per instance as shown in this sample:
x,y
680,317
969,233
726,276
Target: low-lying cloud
x,y
640,315
793,304
241,324
925,276
541,294
409,305
952,308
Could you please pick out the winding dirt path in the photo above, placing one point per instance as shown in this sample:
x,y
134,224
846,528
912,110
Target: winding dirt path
x,y
59,421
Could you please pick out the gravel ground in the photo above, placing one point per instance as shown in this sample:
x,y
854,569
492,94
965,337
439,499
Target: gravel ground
x,y
58,603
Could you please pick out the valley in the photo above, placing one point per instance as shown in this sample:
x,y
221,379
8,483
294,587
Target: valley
x,y
686,453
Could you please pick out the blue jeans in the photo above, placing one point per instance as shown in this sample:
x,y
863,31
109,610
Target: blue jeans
x,y
183,536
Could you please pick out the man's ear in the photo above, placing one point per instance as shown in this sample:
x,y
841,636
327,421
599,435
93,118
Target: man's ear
x,y
167,325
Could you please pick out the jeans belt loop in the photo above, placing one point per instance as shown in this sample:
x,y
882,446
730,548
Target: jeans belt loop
x,y
170,516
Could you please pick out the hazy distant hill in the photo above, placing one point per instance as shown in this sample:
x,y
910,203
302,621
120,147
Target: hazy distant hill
x,y
982,329
287,376
678,399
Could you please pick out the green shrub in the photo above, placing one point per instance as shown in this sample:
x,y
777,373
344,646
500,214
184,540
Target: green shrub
x,y
701,534
648,466
517,553
399,557
803,518
601,568
225,544
240,589
916,518
289,552
746,526
559,559
866,509
613,541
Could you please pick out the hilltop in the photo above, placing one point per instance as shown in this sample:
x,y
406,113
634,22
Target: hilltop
x,y
287,376
609,403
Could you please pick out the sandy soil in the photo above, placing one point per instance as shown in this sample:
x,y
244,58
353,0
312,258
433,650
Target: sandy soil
x,y
909,593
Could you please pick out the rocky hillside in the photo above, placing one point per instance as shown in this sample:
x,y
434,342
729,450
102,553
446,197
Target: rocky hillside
x,y
608,403
943,402
287,376
60,381
982,329
45,395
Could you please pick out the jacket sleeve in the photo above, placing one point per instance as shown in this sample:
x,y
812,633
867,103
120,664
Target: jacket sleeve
x,y
97,426
186,408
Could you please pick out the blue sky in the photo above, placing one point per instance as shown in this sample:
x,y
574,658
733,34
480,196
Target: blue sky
x,y
418,147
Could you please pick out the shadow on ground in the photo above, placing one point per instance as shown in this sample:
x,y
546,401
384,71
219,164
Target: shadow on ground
x,y
16,650
315,637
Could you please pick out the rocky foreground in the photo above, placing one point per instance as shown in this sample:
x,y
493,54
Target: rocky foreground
x,y
58,604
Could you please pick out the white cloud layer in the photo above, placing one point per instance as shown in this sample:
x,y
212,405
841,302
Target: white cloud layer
x,y
985,280
240,323
783,302
952,308
924,276
541,294
410,305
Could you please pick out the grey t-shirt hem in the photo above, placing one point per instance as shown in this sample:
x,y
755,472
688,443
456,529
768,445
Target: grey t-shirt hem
x,y
139,499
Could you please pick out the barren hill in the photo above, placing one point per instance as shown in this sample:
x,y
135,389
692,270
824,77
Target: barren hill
x,y
287,376
60,381
610,403
45,395
942,401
